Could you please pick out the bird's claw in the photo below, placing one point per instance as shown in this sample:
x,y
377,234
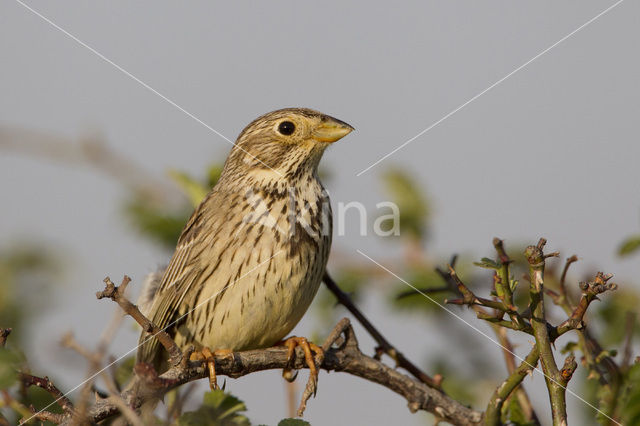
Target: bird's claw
x,y
210,359
308,348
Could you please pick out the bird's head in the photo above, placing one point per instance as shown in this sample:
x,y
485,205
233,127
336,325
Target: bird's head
x,y
286,143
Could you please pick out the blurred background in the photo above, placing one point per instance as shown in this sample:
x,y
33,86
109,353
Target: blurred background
x,y
98,173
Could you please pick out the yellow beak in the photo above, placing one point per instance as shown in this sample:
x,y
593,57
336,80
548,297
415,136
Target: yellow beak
x,y
331,129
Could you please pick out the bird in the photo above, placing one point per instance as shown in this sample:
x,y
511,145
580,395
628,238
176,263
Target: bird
x,y
251,258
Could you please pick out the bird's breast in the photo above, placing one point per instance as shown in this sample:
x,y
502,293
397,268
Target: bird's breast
x,y
268,270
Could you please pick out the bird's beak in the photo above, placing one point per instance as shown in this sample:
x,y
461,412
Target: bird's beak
x,y
330,130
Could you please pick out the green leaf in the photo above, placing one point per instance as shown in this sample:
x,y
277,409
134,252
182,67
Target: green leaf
x,y
570,347
413,207
213,175
425,279
124,371
513,412
154,223
218,408
604,354
630,404
487,263
611,313
8,365
193,189
629,245
293,422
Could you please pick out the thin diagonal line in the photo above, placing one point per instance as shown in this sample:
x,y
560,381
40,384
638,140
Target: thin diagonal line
x,y
492,86
488,337
136,79
153,335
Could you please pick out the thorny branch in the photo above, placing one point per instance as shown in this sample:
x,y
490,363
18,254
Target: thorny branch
x,y
499,326
341,354
347,357
545,334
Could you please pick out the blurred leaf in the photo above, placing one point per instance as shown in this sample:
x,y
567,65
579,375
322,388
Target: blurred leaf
x,y
158,226
41,399
423,279
351,281
570,347
9,362
611,312
28,272
514,414
487,263
124,371
193,189
606,353
293,422
630,404
629,245
414,209
218,408
456,383
213,175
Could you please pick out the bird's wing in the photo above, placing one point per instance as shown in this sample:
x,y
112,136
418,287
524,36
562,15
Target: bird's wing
x,y
176,281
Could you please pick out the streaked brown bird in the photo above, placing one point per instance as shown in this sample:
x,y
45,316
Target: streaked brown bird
x,y
251,257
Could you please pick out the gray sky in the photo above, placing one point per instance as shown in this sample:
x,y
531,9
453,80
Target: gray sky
x,y
551,151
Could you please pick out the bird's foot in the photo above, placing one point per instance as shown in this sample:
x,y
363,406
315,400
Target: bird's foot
x,y
210,358
308,349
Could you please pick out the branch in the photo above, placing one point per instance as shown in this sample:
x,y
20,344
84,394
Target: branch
x,y
46,384
502,392
590,292
553,377
346,357
384,345
508,352
117,294
563,277
476,303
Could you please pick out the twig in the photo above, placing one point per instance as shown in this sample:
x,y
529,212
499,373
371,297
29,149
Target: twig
x,y
46,384
342,327
117,294
503,275
590,292
93,151
427,290
628,347
475,302
15,405
115,398
383,343
563,277
502,392
568,369
291,391
510,361
4,333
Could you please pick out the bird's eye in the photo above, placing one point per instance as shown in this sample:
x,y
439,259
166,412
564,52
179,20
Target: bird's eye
x,y
286,128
